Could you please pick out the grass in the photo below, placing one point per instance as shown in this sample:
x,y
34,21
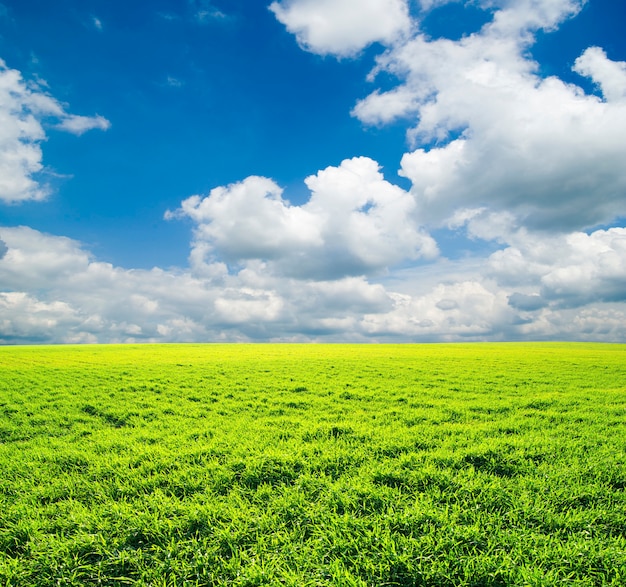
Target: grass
x,y
311,465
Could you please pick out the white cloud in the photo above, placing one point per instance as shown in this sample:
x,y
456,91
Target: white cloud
x,y
570,270
354,223
78,125
384,107
174,82
570,287
25,108
481,223
427,5
609,75
519,17
98,301
54,291
244,305
343,27
34,261
466,310
212,14
250,220
204,11
23,317
494,134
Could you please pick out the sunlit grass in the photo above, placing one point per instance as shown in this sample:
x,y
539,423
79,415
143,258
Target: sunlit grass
x,y
347,465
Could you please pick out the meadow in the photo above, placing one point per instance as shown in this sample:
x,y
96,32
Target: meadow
x,y
313,465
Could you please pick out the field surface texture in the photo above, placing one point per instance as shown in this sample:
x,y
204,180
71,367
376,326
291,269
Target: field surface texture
x,y
303,465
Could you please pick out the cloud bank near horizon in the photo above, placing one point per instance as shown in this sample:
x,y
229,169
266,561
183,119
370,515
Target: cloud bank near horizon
x,y
530,167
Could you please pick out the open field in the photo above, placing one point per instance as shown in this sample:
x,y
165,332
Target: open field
x,y
302,465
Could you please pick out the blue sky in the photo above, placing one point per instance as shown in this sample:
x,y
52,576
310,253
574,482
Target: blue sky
x,y
359,170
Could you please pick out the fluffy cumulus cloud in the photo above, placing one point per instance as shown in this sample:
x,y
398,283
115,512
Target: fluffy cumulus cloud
x,y
570,270
54,291
609,75
527,171
355,223
343,27
25,110
496,134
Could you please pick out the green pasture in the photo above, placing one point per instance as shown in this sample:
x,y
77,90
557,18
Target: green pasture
x,y
312,465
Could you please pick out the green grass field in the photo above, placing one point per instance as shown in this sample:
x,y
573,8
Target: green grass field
x,y
303,465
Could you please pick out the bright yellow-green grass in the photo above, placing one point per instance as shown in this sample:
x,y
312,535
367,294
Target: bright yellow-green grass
x,y
305,465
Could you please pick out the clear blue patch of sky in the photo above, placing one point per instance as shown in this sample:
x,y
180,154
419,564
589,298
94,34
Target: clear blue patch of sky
x,y
454,21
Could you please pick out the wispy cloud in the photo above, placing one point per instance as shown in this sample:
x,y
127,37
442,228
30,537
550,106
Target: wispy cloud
x,y
78,125
204,11
203,16
174,82
168,16
201,12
